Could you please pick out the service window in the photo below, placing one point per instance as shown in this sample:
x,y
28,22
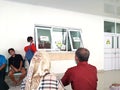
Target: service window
x,y
59,39
43,37
75,39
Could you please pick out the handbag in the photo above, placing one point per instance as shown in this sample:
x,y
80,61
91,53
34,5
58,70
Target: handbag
x,y
50,82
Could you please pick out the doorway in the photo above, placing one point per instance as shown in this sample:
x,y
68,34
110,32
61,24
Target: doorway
x,y
111,46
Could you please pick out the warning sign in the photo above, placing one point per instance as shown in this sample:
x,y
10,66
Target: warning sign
x,y
107,42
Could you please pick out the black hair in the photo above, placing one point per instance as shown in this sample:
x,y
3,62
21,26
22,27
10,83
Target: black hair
x,y
29,38
82,54
10,50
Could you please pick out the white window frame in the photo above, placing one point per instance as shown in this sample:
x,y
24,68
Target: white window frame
x,y
36,36
51,33
77,30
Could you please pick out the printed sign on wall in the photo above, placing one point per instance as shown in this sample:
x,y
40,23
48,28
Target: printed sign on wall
x,y
44,38
107,42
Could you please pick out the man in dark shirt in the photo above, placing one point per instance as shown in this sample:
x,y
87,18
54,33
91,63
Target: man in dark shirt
x,y
83,76
16,65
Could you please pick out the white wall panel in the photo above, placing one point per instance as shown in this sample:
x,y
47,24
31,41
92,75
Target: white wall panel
x,y
17,22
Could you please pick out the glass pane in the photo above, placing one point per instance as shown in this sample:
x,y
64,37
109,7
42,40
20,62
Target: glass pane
x,y
76,39
112,42
109,27
44,38
69,45
117,42
59,39
117,27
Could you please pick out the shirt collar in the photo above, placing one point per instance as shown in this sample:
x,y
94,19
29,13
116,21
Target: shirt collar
x,y
82,63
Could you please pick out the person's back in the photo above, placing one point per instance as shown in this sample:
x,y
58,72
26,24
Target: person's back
x,y
83,76
39,76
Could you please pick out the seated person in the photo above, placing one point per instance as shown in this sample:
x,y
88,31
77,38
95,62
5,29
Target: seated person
x,y
84,75
3,62
16,65
39,76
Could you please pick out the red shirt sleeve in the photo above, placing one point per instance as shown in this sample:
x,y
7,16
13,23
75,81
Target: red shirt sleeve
x,y
66,78
26,48
32,48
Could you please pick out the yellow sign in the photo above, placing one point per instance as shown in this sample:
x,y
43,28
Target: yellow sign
x,y
108,42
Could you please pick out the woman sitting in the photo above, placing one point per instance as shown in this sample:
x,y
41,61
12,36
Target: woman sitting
x,y
39,76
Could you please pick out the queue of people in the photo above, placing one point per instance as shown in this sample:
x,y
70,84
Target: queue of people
x,y
16,64
83,76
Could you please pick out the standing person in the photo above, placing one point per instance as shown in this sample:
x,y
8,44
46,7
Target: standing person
x,y
3,84
83,76
30,49
16,65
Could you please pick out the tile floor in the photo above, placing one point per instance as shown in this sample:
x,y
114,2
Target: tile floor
x,y
12,87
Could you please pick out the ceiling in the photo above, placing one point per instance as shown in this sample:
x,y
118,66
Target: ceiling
x,y
109,8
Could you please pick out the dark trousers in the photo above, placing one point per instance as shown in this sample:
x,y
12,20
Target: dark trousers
x,y
3,84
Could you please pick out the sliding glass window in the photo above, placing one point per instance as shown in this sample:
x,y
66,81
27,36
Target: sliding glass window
x,y
118,28
43,37
57,38
75,39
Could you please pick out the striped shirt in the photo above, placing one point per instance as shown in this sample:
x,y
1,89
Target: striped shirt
x,y
48,82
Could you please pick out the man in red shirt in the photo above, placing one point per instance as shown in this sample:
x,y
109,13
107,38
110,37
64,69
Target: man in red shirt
x,y
83,76
30,47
